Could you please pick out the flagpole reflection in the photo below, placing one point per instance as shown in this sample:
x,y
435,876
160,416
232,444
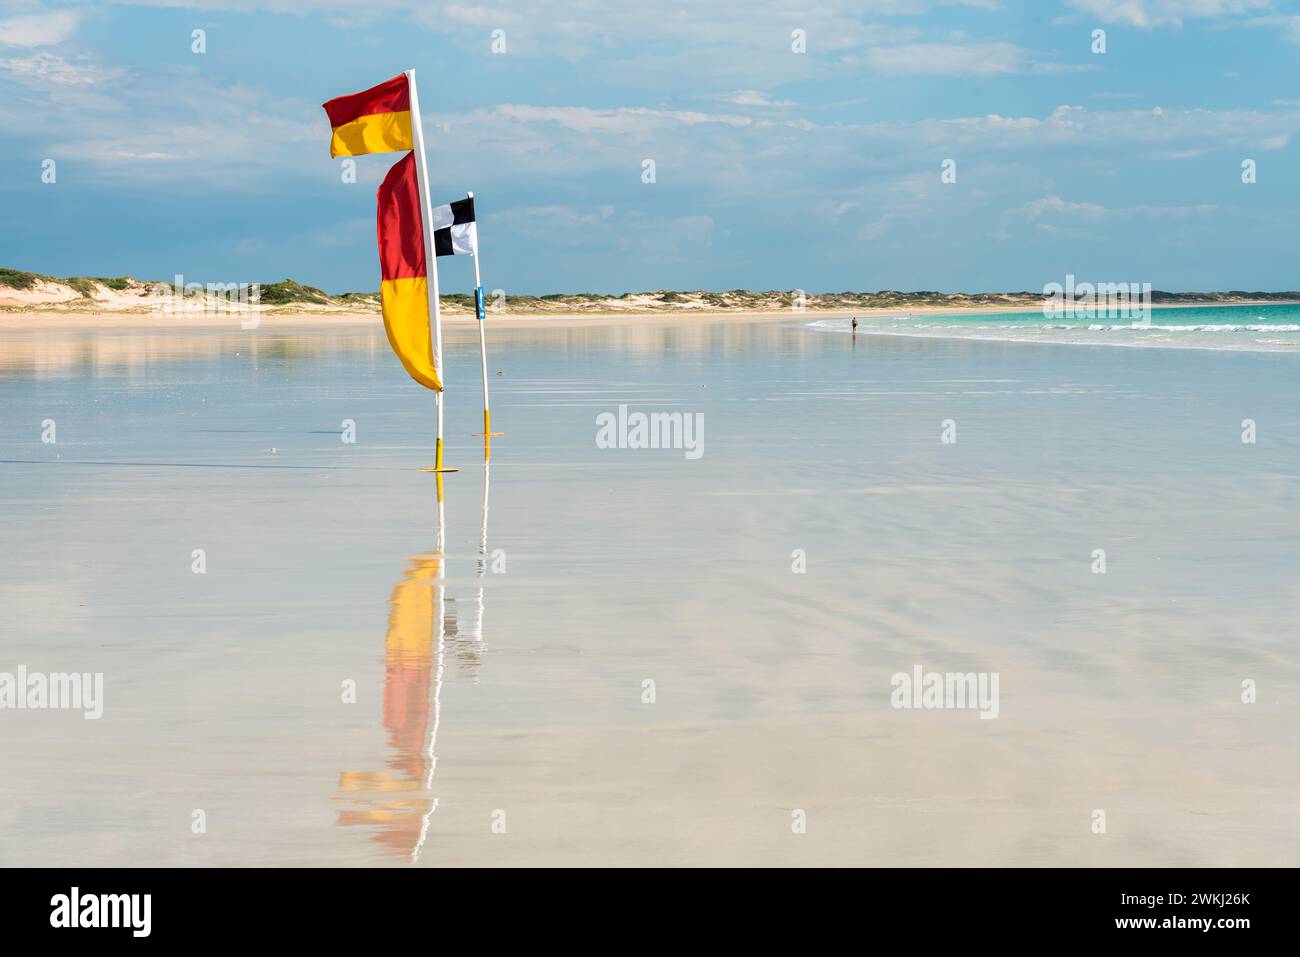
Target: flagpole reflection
x,y
422,627
399,800
476,630
440,623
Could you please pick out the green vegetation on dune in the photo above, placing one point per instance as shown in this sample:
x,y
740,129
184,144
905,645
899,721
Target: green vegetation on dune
x,y
360,298
524,302
82,284
117,285
17,279
290,291
1228,297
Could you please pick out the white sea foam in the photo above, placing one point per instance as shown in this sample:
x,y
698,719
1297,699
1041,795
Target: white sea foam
x,y
1197,327
1189,335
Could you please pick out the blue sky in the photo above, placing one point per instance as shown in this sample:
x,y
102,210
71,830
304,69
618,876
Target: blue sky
x,y
774,170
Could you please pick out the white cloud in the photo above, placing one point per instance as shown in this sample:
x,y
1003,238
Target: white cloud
x,y
611,230
1289,24
569,225
1149,14
623,119
1117,130
753,98
1054,207
46,68
889,168
946,59
44,29
742,43
182,130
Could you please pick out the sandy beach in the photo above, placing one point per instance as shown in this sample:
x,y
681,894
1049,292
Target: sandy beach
x,y
499,710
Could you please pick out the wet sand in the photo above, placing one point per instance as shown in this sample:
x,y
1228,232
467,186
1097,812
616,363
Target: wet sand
x,y
285,319
505,671
78,320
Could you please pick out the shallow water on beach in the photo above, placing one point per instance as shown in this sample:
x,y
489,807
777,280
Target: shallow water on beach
x,y
1274,327
501,712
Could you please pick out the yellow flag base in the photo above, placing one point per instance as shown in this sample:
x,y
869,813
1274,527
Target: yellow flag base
x,y
437,460
487,432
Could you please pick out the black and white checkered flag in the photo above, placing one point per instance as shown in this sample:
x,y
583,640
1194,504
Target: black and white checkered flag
x,y
454,231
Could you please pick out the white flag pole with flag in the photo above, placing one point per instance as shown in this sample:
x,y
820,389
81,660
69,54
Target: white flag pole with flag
x,y
386,119
480,307
455,233
431,260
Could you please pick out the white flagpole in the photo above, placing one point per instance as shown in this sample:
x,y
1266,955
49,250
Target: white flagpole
x,y
480,307
430,260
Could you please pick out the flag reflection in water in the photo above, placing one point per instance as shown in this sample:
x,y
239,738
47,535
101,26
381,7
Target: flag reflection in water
x,y
399,801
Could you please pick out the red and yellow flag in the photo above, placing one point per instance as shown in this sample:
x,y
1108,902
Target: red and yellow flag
x,y
404,279
377,120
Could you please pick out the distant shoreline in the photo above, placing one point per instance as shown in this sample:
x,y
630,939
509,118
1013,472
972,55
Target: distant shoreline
x,y
284,318
129,301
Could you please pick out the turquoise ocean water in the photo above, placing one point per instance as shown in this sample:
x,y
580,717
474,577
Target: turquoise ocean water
x,y
1250,328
